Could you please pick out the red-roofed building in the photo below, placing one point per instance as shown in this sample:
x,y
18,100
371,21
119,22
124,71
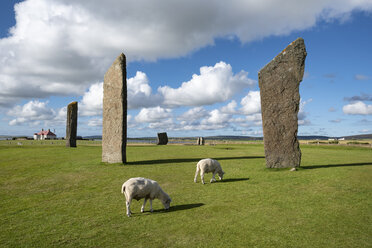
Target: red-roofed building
x,y
42,135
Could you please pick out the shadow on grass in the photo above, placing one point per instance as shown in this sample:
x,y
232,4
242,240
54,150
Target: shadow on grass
x,y
231,180
178,208
184,160
334,165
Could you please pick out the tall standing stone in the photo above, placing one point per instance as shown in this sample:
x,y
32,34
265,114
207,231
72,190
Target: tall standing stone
x,y
200,141
114,130
162,139
71,124
279,83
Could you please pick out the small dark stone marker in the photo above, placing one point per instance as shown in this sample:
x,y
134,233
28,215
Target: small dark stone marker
x,y
71,124
162,139
279,83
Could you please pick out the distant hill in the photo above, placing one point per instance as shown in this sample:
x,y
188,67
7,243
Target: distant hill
x,y
233,137
361,136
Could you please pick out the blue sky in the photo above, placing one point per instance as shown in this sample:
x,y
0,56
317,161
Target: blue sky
x,y
192,67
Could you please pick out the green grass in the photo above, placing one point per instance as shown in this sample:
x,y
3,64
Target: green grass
x,y
53,196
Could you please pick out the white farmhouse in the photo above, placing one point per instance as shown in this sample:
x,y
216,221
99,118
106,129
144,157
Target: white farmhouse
x,y
42,135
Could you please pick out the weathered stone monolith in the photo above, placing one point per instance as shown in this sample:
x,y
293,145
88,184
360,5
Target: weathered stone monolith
x,y
279,83
200,141
162,139
71,124
114,130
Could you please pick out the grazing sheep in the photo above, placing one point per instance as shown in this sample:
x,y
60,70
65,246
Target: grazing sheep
x,y
138,188
208,165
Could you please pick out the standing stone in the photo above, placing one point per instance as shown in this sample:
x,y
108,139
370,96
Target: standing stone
x,y
162,139
114,130
200,141
71,124
279,83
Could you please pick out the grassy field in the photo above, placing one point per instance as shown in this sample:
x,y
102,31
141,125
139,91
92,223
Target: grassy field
x,y
53,196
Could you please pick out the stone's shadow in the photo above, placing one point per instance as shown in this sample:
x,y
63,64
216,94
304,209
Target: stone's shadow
x,y
184,160
179,207
231,180
334,165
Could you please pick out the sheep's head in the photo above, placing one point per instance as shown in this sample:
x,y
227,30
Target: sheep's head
x,y
166,202
220,174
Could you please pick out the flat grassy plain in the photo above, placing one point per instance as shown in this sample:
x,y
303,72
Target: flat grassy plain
x,y
53,196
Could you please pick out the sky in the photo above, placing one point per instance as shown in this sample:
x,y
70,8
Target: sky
x,y
192,66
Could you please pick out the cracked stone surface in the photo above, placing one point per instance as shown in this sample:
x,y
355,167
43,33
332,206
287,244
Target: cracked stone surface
x,y
114,129
279,83
71,124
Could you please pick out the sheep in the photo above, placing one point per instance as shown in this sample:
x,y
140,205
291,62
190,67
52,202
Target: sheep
x,y
208,165
138,188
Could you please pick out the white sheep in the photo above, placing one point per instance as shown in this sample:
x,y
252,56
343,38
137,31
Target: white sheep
x,y
208,165
138,188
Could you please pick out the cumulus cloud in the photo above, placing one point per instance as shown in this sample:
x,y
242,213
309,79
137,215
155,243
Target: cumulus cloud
x,y
139,96
61,47
139,92
91,104
302,121
193,114
35,113
251,103
230,108
357,108
95,122
153,115
214,84
217,117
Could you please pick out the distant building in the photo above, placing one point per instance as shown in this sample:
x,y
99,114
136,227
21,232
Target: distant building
x,y
341,139
43,135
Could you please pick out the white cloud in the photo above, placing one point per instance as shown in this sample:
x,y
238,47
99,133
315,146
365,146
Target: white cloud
x,y
251,103
193,114
139,92
357,108
139,96
255,118
60,47
214,84
95,122
153,115
230,108
35,113
91,104
302,121
217,117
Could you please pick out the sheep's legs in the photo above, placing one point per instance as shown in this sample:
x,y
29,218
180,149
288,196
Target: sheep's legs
x,y
128,208
143,206
196,174
202,177
151,210
213,177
